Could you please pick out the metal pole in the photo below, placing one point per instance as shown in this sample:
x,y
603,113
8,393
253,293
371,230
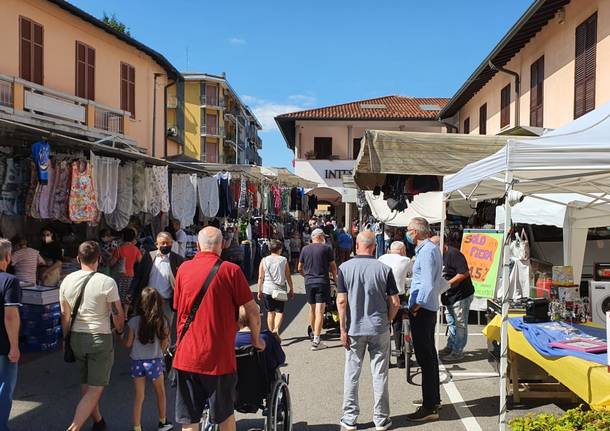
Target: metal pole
x,y
439,318
505,295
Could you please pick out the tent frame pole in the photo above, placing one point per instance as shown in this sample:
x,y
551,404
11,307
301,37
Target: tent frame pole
x,y
439,317
505,303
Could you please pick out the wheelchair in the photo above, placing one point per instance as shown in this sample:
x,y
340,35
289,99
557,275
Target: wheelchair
x,y
257,390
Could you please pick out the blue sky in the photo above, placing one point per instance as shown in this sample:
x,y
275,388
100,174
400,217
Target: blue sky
x,y
283,56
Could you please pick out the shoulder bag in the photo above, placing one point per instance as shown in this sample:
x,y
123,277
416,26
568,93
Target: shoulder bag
x,y
171,351
68,352
278,294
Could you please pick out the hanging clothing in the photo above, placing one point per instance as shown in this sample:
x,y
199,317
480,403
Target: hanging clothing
x,y
259,200
235,187
45,193
82,203
243,193
41,151
207,188
313,204
285,199
140,189
253,194
31,201
184,198
161,183
14,184
61,192
153,199
119,218
106,179
294,196
224,194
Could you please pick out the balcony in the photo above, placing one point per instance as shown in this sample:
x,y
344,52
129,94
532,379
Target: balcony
x,y
209,101
66,112
212,130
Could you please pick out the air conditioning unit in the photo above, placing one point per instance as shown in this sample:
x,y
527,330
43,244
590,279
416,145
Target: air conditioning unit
x,y
172,102
172,131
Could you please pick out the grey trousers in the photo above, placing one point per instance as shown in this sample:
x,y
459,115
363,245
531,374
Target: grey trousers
x,y
379,352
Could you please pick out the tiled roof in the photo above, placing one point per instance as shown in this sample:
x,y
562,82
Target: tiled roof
x,y
380,108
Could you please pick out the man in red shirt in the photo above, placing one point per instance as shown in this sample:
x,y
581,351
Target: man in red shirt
x,y
205,359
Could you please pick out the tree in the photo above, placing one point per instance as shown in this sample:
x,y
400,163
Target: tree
x,y
113,22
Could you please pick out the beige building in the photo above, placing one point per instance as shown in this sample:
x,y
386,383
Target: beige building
x,y
65,71
326,140
551,67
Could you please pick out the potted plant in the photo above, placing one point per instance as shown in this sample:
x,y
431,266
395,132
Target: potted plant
x,y
311,155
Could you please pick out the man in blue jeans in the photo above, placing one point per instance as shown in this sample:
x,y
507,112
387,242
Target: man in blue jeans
x,y
10,301
426,286
457,301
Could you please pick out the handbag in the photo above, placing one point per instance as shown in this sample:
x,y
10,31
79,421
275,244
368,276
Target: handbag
x,y
171,351
278,293
68,352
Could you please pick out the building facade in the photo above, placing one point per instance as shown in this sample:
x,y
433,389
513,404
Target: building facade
x,y
326,141
550,68
208,119
64,70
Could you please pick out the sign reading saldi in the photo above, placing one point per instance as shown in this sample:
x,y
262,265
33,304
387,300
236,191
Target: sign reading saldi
x,y
483,249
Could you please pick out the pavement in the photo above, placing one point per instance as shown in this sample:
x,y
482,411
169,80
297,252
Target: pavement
x,y
48,389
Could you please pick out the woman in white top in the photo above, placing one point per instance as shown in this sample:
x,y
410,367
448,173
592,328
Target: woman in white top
x,y
273,275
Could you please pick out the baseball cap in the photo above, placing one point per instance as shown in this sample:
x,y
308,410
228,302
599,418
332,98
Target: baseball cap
x,y
317,232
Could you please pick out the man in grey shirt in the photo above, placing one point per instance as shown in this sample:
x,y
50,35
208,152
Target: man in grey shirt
x,y
367,299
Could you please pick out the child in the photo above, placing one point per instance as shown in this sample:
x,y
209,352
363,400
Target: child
x,y
148,338
129,254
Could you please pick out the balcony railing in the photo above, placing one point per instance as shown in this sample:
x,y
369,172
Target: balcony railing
x,y
6,93
212,130
208,100
45,103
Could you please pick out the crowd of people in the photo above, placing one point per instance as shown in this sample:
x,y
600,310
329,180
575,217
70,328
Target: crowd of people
x,y
194,312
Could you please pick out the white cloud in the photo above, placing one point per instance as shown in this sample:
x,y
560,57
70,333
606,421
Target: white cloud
x,y
302,99
267,111
237,41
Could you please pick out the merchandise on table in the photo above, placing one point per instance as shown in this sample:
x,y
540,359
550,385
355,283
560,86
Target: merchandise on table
x,y
41,327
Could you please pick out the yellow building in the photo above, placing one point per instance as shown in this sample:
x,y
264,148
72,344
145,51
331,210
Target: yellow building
x,y
210,122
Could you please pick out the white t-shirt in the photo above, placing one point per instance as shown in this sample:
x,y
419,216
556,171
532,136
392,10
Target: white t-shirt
x,y
93,315
400,266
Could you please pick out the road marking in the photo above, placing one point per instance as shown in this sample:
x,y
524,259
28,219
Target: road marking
x,y
468,420
469,374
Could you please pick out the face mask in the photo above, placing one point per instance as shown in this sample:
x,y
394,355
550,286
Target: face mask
x,y
409,239
165,249
47,239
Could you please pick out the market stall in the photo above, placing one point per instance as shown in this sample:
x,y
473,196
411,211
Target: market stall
x,y
572,159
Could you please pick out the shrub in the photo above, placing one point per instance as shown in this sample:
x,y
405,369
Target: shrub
x,y
576,419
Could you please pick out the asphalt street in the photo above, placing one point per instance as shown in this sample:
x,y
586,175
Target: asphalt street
x,y
48,389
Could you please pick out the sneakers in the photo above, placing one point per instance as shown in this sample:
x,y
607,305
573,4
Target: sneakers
x,y
165,426
420,402
453,357
318,346
443,352
99,426
310,332
423,414
386,425
347,427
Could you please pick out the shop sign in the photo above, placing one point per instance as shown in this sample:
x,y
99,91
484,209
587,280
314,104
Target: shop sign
x,y
482,249
336,174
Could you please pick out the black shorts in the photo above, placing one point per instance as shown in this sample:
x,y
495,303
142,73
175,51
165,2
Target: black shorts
x,y
317,293
273,305
195,390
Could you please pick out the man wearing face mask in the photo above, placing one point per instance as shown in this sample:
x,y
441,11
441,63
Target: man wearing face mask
x,y
158,269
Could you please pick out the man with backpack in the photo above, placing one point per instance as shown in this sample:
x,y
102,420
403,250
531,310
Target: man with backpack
x,y
208,294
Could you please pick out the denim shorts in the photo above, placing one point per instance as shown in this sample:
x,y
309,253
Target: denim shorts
x,y
149,368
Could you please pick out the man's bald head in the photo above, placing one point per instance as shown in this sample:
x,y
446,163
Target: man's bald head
x,y
210,239
398,247
365,243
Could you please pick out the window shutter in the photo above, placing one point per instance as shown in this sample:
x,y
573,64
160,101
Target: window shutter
x,y
90,73
505,106
37,63
128,89
26,49
357,142
537,92
31,50
585,65
466,129
483,119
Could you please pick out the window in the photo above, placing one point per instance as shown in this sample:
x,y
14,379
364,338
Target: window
x,y
211,152
505,106
536,92
85,71
483,119
128,89
30,51
356,147
211,92
323,147
584,75
466,128
211,121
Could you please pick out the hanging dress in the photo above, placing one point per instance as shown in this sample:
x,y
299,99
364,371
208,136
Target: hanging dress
x,y
106,178
61,192
184,198
82,206
119,218
140,194
161,179
207,188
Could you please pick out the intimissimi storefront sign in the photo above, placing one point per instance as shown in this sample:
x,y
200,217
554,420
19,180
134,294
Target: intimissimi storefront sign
x,y
328,172
332,174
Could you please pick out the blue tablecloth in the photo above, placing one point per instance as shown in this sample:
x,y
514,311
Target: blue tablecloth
x,y
539,335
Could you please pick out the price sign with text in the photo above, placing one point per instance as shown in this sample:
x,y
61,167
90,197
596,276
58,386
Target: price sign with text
x,y
482,249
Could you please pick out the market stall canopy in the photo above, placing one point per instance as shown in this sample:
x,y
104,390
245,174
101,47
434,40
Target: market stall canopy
x,y
418,153
286,177
572,159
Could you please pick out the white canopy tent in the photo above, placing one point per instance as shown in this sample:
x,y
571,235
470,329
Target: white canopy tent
x,y
572,159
